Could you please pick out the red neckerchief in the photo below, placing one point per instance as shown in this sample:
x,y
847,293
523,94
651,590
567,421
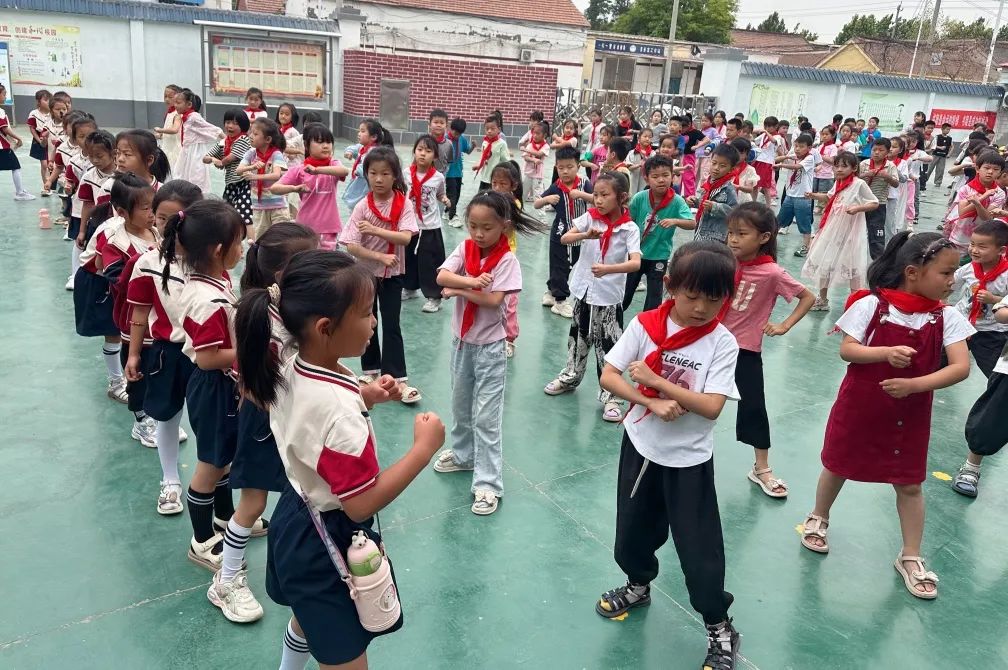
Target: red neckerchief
x,y
595,127
251,111
566,190
908,303
652,218
285,127
767,139
567,137
655,323
487,150
611,225
392,220
317,162
899,159
615,167
474,267
841,184
171,108
416,186
181,130
874,171
644,150
537,147
823,147
444,138
927,135
360,156
265,159
737,172
709,187
980,189
625,125
984,278
229,142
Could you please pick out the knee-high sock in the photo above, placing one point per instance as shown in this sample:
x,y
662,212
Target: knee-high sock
x,y
166,437
223,502
235,538
18,184
74,258
110,351
295,651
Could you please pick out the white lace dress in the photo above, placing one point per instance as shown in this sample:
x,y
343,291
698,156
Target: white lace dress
x,y
839,253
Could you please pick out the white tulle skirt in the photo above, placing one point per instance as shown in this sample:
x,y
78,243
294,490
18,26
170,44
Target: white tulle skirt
x,y
838,255
190,165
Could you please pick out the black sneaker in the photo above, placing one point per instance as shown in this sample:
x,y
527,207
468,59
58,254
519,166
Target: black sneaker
x,y
722,646
801,252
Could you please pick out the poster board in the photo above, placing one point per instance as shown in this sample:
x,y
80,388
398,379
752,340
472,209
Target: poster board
x,y
282,69
5,75
890,108
43,54
784,102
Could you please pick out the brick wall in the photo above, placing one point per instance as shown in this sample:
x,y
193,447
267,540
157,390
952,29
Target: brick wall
x,y
470,89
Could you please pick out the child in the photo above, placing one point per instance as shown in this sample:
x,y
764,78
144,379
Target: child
x,y
57,110
880,424
210,232
682,361
535,118
81,126
262,165
744,175
711,138
975,200
480,274
610,249
256,468
881,176
196,135
593,132
316,180
95,183
943,146
63,151
595,157
425,254
845,140
627,127
569,138
692,137
795,206
840,252
896,202
569,195
657,211
255,104
639,155
534,154
752,237
506,180
716,197
494,151
981,284
453,178
370,134
8,160
437,127
157,312
616,158
915,157
380,227
768,145
319,418
287,119
823,178
168,133
227,155
39,125
137,151
657,126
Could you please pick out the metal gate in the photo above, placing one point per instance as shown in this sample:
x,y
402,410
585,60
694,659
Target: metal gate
x,y
574,103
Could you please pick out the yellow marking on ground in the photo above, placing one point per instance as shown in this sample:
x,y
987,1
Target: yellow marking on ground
x,y
944,476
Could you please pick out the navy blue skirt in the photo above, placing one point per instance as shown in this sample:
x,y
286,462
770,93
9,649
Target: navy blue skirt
x,y
38,152
136,390
300,575
73,228
212,398
256,463
93,305
9,160
167,371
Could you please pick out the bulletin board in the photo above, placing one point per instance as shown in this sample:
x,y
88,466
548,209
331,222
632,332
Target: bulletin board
x,y
43,54
281,69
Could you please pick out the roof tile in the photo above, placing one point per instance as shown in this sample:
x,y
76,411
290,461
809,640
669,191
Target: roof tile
x,y
561,12
757,40
263,6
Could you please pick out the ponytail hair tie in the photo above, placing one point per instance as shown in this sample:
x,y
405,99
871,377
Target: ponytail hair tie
x,y
274,294
181,215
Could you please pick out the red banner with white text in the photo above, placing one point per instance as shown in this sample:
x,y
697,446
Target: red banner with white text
x,y
963,119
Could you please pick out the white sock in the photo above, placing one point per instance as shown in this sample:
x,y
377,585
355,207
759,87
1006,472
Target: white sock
x,y
235,538
110,350
18,184
166,437
74,259
295,650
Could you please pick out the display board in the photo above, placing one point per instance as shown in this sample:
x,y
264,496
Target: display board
x,y
281,69
784,102
43,54
5,75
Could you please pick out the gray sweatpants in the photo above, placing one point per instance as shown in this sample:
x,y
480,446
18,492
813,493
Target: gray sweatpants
x,y
478,373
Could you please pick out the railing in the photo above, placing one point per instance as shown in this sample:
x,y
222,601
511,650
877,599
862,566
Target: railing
x,y
574,103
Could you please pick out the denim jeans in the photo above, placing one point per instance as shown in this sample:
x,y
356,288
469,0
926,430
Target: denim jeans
x,y
478,372
796,209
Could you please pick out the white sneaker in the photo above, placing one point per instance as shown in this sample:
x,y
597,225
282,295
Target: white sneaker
x,y
143,431
260,527
235,599
548,299
203,555
410,295
24,196
485,503
455,222
509,349
182,435
70,282
170,498
432,305
445,462
117,390
564,309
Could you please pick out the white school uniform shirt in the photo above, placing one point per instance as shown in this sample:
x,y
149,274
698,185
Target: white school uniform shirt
x,y
42,123
208,313
607,290
850,146
915,164
855,320
802,183
706,366
79,164
145,288
324,434
902,171
430,200
95,186
964,284
767,149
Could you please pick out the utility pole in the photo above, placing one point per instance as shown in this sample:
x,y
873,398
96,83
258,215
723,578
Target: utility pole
x,y
990,54
895,25
667,74
926,61
920,27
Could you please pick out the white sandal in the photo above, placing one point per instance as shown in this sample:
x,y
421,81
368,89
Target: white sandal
x,y
914,578
817,530
364,380
769,486
410,395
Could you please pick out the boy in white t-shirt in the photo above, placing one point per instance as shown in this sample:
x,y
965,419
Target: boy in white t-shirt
x,y
795,206
768,145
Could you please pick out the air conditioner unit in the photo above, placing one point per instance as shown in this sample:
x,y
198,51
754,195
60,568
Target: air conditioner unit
x,y
526,56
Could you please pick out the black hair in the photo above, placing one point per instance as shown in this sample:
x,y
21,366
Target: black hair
x,y
316,132
458,125
727,152
377,130
606,128
930,122
946,125
734,123
837,118
875,119
848,159
620,184
42,94
920,114
763,219
315,284
199,229
883,142
238,116
742,145
976,146
262,98
513,174
536,115
833,132
145,144
505,209
739,115
295,119
748,124
271,130
849,121
544,126
269,254
428,141
709,117
78,118
177,190
902,144
771,121
704,267
310,117
567,153
174,88
784,122
670,138
660,113
620,147
991,157
658,161
805,127
977,135
496,117
437,113
189,96
127,189
805,139
102,138
917,137
903,250
387,155
995,228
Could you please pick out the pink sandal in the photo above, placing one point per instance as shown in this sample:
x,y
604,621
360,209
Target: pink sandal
x,y
914,578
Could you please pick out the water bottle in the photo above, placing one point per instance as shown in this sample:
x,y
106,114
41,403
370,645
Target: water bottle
x,y
44,222
371,586
363,556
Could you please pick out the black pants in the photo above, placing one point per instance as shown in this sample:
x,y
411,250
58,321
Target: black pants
x,y
453,187
986,428
424,255
986,347
875,225
389,356
67,206
138,389
562,258
925,172
654,271
752,426
684,501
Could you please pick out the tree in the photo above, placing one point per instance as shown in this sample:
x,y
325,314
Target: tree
x,y
954,29
871,26
804,32
772,24
699,20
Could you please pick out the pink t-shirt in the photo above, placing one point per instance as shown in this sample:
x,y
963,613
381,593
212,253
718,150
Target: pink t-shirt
x,y
960,229
754,301
318,209
488,327
350,235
